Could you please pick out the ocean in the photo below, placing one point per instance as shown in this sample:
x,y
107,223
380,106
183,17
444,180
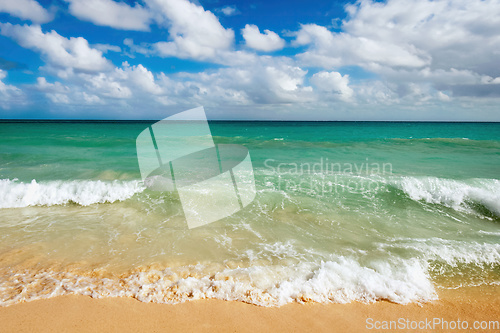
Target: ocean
x,y
344,211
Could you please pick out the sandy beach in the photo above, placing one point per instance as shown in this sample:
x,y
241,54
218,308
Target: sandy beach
x,y
249,166
84,314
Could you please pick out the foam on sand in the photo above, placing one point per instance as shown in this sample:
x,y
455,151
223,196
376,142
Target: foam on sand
x,y
341,280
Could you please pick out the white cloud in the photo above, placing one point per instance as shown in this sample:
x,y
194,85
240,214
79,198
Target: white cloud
x,y
9,94
59,93
420,56
59,52
194,32
91,99
330,50
105,48
419,48
285,80
267,81
142,49
268,41
333,82
107,86
117,15
461,34
442,34
376,93
139,77
228,10
57,98
443,97
121,83
26,10
57,87
3,86
439,77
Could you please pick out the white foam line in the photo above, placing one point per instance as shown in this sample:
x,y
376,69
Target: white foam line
x,y
341,280
15,194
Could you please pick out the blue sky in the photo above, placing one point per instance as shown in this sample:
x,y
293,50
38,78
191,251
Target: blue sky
x,y
294,60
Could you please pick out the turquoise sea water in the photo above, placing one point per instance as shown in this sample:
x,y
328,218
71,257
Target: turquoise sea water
x,y
344,211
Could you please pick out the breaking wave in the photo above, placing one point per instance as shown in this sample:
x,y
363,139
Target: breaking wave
x,y
461,195
15,194
341,280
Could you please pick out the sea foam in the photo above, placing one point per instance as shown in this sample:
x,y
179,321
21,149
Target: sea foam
x,y
457,194
15,194
340,280
449,252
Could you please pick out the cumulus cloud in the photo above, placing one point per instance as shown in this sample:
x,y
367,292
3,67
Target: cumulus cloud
x,y
106,85
26,10
113,14
4,88
461,34
8,93
133,48
139,77
57,98
91,99
194,32
268,41
267,81
418,47
442,34
59,52
228,10
121,83
333,82
59,93
331,50
57,87
105,48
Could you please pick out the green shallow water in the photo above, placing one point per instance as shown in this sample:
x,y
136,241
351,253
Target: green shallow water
x,y
344,211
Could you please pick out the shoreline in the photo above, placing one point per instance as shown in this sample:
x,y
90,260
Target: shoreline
x,y
76,313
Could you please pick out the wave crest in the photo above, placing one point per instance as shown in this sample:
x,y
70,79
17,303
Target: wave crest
x,y
457,194
341,280
15,194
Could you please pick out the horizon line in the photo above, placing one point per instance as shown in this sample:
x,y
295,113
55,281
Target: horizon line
x,y
61,120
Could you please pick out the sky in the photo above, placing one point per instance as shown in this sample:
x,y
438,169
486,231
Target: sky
x,y
244,60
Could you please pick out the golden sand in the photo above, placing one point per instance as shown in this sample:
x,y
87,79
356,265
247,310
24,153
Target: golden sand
x,y
84,314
